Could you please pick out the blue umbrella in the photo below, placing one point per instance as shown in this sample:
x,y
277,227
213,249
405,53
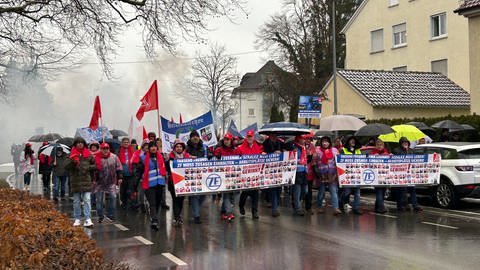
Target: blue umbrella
x,y
284,128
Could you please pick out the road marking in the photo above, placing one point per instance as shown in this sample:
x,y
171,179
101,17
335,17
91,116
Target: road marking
x,y
174,259
121,227
383,215
465,212
440,225
143,240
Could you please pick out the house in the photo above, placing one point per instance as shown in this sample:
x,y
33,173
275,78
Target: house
x,y
470,9
410,35
387,94
255,97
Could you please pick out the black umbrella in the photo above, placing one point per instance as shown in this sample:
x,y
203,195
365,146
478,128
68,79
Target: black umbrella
x,y
114,144
465,127
420,125
118,133
284,128
322,133
375,129
35,138
68,141
50,149
448,124
49,137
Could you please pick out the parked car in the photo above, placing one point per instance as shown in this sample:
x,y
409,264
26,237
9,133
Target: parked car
x,y
459,172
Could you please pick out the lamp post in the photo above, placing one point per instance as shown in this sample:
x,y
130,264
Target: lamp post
x,y
334,41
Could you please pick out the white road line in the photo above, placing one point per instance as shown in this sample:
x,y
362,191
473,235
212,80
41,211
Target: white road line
x,y
121,227
383,215
465,212
143,240
174,259
440,225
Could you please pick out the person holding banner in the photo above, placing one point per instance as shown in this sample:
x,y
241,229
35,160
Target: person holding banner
x,y
352,147
178,152
226,148
404,149
299,189
274,145
196,149
380,191
250,147
153,171
326,170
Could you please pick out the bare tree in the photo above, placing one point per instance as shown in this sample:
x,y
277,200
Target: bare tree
x,y
213,78
49,35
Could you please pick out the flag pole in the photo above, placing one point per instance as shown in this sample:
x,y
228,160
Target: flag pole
x,y
159,123
101,129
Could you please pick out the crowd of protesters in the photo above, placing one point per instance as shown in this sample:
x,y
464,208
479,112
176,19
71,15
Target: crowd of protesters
x,y
140,175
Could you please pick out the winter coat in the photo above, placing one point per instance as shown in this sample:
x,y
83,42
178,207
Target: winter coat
x,y
327,172
225,151
245,149
197,150
25,164
111,170
45,165
59,165
270,147
376,152
80,177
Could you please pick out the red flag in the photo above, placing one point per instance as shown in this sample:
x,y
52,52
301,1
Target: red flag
x,y
181,120
149,101
171,119
145,135
97,113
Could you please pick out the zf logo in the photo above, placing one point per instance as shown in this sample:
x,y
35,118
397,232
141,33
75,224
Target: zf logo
x,y
368,176
214,181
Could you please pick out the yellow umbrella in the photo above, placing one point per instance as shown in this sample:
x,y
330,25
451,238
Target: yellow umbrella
x,y
410,132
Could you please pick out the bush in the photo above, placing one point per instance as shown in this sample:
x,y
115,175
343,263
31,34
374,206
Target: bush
x,y
34,235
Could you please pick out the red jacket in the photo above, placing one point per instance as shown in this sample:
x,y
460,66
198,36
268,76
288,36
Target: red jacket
x,y
226,151
245,149
376,152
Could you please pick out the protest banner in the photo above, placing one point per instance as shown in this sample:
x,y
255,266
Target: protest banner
x,y
233,173
309,107
388,170
93,135
203,124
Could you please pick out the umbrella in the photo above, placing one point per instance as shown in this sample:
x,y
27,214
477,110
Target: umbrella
x,y
420,125
114,144
449,124
374,130
322,133
410,132
35,138
466,127
340,122
50,149
68,141
118,133
284,128
49,137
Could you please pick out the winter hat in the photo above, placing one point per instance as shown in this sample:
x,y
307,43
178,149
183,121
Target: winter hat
x,y
151,134
93,143
194,133
178,141
28,145
78,140
146,141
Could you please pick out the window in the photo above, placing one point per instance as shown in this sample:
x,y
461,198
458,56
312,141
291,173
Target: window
x,y
470,154
251,112
393,3
400,35
399,69
440,66
438,25
377,40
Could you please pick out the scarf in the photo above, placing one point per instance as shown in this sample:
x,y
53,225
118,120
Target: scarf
x,y
122,155
302,160
175,155
98,159
160,166
75,154
327,154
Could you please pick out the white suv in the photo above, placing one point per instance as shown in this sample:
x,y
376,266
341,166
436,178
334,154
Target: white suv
x,y
459,173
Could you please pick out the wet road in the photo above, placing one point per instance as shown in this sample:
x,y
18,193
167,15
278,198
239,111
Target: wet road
x,y
433,239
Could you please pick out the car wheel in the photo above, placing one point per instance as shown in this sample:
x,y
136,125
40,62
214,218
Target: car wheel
x,y
445,196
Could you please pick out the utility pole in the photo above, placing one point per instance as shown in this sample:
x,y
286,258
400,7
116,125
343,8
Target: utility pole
x,y
334,41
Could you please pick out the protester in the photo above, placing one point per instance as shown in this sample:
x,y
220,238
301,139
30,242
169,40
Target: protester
x,y
226,148
337,143
134,144
311,149
27,167
352,147
59,174
45,169
324,166
80,164
178,152
94,147
250,147
404,149
151,136
196,149
380,191
165,157
127,185
152,167
274,145
140,193
300,186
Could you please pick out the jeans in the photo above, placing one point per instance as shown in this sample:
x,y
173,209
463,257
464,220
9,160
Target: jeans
x,y
46,180
253,194
309,196
26,178
299,189
110,202
227,203
275,197
333,189
195,204
345,195
401,194
379,199
77,207
59,186
154,197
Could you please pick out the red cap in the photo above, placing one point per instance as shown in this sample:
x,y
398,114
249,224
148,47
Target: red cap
x,y
250,133
228,136
105,145
28,144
